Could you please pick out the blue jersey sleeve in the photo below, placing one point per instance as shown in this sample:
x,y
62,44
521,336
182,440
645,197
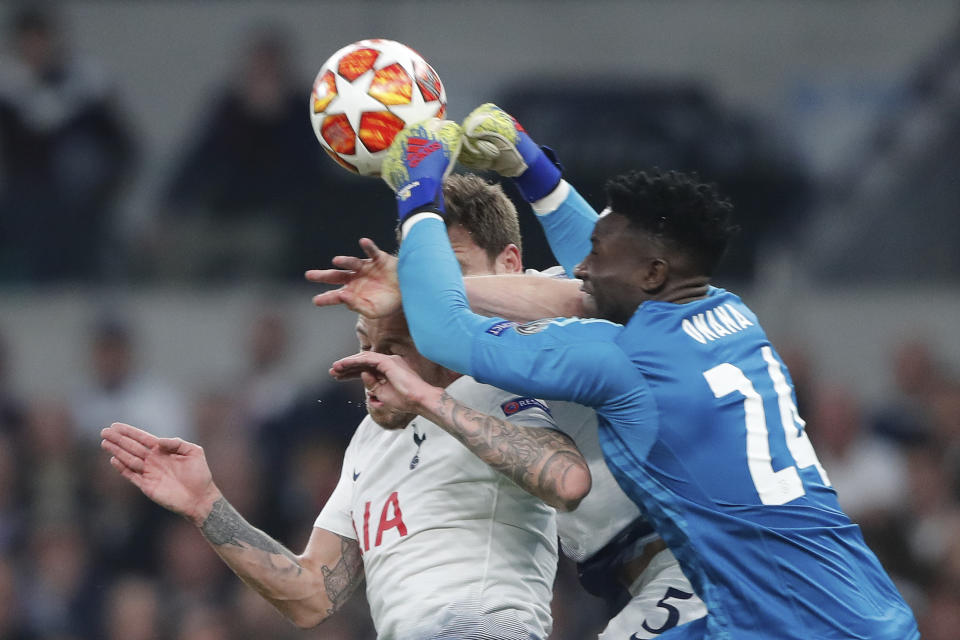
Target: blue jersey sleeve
x,y
568,229
562,359
434,300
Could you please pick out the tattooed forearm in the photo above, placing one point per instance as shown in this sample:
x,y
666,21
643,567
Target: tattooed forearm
x,y
307,589
225,526
544,462
345,576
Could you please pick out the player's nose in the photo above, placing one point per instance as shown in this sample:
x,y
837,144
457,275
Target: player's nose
x,y
581,271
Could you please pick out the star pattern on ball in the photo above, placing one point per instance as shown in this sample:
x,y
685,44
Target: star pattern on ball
x,y
415,109
355,98
365,94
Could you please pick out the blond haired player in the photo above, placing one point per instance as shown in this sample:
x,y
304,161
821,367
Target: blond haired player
x,y
470,542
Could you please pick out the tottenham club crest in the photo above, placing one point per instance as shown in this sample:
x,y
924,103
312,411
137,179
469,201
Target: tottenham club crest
x,y
418,440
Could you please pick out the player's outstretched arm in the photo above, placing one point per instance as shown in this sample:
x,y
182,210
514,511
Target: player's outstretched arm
x,y
523,298
494,140
174,474
369,286
542,461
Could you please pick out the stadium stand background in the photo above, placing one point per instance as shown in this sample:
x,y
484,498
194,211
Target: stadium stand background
x,y
833,125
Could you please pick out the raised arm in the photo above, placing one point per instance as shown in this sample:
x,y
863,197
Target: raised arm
x,y
539,459
568,221
173,473
494,140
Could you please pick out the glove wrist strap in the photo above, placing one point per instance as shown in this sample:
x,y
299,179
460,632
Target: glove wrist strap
x,y
423,194
541,177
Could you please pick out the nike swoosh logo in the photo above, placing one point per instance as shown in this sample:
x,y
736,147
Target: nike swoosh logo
x,y
356,474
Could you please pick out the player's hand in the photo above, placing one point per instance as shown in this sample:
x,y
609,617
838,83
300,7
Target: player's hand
x,y
369,286
418,160
170,471
494,140
387,379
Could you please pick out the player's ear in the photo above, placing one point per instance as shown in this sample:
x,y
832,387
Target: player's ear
x,y
655,274
509,260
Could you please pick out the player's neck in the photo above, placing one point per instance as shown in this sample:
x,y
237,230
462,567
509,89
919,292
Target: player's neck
x,y
686,290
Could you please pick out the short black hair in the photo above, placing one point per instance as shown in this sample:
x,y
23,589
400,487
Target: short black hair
x,y
678,209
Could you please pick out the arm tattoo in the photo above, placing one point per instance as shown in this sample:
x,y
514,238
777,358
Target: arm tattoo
x,y
225,526
345,576
538,460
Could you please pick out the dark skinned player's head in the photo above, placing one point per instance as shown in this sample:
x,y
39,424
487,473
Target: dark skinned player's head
x,y
661,235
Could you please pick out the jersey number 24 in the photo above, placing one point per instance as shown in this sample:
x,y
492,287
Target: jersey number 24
x,y
774,487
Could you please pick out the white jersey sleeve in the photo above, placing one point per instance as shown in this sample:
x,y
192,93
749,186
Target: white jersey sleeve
x,y
524,411
336,515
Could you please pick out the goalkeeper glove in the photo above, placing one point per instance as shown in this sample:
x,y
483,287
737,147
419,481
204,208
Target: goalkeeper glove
x,y
418,160
494,140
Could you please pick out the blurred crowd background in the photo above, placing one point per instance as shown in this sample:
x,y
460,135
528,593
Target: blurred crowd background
x,y
161,194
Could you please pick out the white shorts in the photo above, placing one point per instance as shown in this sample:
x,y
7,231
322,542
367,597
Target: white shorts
x,y
662,600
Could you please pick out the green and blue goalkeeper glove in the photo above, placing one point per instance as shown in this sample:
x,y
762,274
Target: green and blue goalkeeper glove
x,y
494,140
418,160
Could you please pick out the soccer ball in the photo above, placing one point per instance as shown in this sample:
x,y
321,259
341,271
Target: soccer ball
x,y
365,94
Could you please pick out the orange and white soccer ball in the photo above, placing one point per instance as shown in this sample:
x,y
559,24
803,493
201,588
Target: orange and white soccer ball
x,y
365,94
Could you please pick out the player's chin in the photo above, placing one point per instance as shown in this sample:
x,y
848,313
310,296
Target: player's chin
x,y
388,417
589,303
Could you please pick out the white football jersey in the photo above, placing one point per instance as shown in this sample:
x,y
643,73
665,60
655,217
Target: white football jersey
x,y
451,548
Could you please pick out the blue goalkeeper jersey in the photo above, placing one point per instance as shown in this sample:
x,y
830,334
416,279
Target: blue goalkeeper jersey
x,y
698,423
